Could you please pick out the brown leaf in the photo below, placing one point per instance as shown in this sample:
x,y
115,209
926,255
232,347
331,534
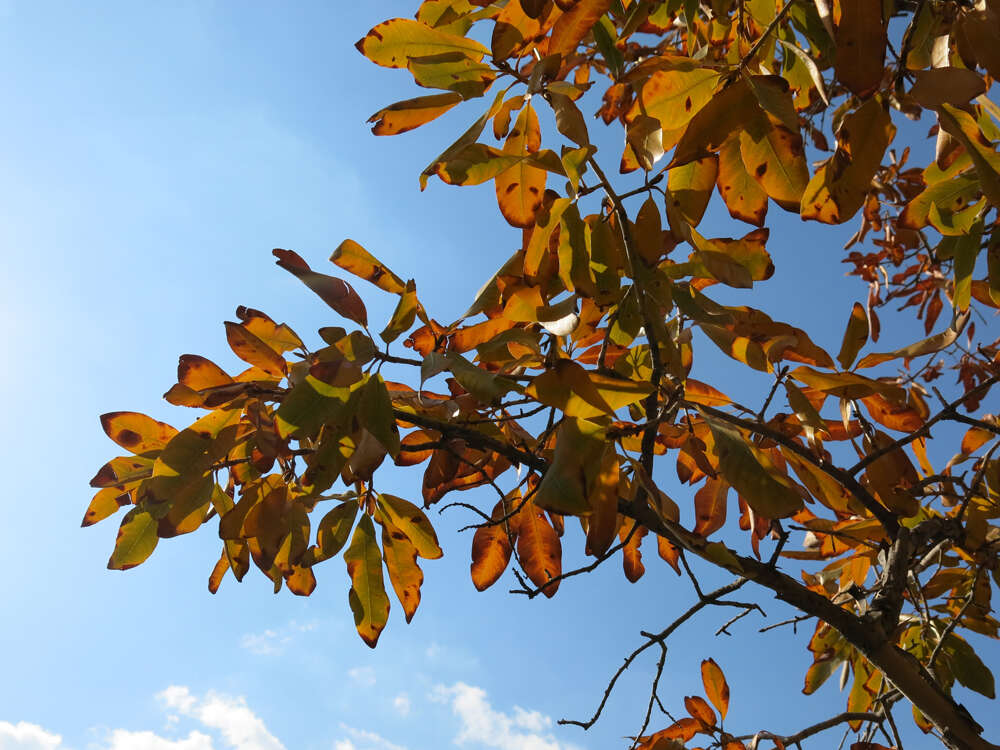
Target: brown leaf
x,y
861,43
337,293
700,710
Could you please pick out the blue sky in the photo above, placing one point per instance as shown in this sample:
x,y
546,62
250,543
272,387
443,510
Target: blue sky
x,y
153,154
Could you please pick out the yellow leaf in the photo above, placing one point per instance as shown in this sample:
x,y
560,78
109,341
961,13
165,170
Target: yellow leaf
x,y
405,575
519,189
392,43
716,687
368,599
412,113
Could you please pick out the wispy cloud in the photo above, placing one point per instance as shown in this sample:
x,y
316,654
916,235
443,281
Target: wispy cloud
x,y
359,739
362,676
274,640
482,726
402,704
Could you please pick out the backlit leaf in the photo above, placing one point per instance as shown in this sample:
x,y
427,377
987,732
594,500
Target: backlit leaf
x,y
135,432
252,350
350,256
855,336
538,546
861,42
413,522
574,25
491,550
368,599
519,188
136,540
392,43
405,575
768,493
412,113
716,687
337,293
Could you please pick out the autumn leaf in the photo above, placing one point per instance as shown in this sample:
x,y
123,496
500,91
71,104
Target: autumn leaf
x,y
367,596
337,293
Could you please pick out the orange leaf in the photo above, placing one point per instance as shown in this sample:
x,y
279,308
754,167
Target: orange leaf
x,y
861,42
700,710
520,187
716,687
574,25
491,551
252,350
710,506
538,546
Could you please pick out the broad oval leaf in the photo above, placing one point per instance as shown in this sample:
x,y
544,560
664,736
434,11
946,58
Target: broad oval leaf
x,y
368,599
392,43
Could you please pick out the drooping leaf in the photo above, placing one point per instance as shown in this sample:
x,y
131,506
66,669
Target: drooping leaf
x,y
573,25
855,336
861,42
520,187
368,599
400,557
538,547
491,549
136,540
767,492
413,522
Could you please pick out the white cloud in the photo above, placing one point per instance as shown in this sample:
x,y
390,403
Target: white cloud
x,y
363,676
240,726
273,641
364,740
121,739
481,726
25,736
402,704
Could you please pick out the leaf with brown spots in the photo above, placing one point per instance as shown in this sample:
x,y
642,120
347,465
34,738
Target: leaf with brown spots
x,y
105,503
520,188
413,522
743,195
392,43
350,256
774,156
412,113
491,549
538,546
136,540
675,96
252,350
691,188
136,432
367,597
838,188
726,113
337,293
123,473
400,557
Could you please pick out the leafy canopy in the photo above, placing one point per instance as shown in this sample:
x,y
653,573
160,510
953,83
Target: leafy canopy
x,y
565,387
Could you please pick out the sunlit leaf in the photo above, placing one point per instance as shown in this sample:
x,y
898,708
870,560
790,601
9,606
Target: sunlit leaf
x,y
392,43
367,597
716,687
337,293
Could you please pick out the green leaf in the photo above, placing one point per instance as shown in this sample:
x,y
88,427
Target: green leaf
x,y
309,405
968,667
334,529
743,466
404,314
136,540
563,489
375,414
368,599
